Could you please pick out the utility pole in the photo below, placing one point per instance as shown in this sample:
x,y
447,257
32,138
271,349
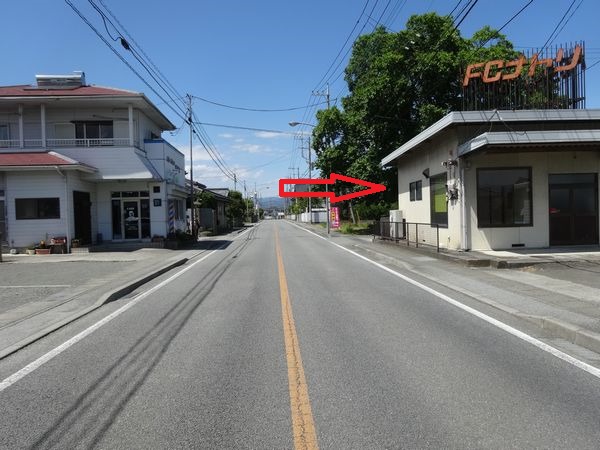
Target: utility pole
x,y
234,181
192,218
309,186
246,198
297,176
325,94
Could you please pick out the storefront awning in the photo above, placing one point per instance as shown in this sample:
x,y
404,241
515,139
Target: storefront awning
x,y
568,139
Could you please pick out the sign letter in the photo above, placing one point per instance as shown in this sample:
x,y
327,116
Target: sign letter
x,y
470,74
498,64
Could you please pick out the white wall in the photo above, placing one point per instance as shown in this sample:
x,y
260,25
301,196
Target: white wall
x,y
411,169
542,164
34,184
168,161
113,163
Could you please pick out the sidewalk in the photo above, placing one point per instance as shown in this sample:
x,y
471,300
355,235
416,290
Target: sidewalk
x,y
39,294
556,290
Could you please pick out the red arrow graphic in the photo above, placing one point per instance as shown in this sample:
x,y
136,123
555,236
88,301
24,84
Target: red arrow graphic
x,y
372,188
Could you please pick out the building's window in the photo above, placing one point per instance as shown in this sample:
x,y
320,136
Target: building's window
x,y
178,206
438,199
504,197
4,132
94,130
416,188
116,219
2,222
145,216
37,208
156,189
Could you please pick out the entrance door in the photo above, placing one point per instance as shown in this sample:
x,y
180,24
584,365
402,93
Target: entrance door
x,y
573,208
131,219
82,216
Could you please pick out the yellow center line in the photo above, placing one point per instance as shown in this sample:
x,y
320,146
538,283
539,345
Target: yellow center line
x,y
303,426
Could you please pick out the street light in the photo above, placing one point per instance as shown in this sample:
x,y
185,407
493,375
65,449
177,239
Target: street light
x,y
293,124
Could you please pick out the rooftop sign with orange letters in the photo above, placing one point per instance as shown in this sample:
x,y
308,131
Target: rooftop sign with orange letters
x,y
496,70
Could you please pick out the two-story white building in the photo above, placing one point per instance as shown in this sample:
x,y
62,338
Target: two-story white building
x,y
87,163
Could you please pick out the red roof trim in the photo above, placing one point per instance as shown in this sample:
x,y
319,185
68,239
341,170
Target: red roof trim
x,y
34,159
82,91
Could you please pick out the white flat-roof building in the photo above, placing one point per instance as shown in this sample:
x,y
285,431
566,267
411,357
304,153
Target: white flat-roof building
x,y
504,179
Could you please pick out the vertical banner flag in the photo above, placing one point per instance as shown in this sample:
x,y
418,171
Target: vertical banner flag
x,y
335,217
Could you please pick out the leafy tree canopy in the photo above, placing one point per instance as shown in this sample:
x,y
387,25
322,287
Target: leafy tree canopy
x,y
399,83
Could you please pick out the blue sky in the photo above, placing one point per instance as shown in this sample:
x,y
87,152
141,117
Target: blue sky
x,y
263,54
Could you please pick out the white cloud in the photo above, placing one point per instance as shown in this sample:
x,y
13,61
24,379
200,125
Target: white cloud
x,y
252,148
198,153
267,135
226,136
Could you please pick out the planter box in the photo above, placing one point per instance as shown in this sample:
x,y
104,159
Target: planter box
x,y
171,244
30,251
42,251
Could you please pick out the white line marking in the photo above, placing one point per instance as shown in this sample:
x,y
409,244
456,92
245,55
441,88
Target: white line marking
x,y
36,286
504,327
7,382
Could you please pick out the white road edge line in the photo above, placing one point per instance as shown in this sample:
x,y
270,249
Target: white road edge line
x,y
501,325
7,382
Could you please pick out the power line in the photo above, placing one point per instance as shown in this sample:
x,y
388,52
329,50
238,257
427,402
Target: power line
x,y
257,109
160,80
508,21
552,35
474,2
131,39
568,19
128,46
108,44
245,128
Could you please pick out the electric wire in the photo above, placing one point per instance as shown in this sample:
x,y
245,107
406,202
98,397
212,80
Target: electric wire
x,y
128,46
568,19
131,39
109,45
552,35
180,112
240,108
507,22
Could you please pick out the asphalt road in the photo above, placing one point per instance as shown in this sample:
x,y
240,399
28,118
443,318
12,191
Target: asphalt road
x,y
281,340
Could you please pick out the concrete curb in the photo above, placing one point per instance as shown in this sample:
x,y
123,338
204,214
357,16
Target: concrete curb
x,y
108,297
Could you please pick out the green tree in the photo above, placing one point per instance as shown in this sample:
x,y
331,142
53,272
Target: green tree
x,y
206,199
399,84
236,210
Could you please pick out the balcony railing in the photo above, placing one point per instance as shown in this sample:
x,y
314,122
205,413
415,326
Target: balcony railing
x,y
37,143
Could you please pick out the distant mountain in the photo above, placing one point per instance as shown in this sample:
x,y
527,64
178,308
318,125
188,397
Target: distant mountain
x,y
272,203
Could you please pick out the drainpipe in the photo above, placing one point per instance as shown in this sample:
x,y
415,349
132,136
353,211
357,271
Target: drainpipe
x,y
43,120
21,138
130,123
464,238
67,206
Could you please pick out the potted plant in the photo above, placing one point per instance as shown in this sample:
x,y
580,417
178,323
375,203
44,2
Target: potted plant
x,y
75,243
42,248
31,249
